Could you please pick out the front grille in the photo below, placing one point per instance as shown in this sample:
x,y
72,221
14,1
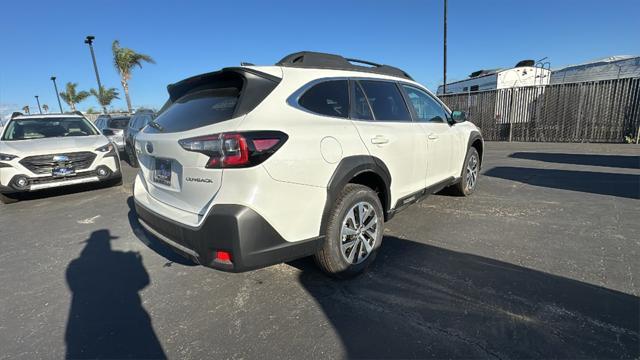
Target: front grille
x,y
44,164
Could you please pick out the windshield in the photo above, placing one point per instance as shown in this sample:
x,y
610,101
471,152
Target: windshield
x,y
34,128
118,123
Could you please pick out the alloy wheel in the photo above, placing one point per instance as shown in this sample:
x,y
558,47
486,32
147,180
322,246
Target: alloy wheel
x,y
472,172
359,232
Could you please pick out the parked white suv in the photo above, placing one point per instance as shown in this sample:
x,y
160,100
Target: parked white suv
x,y
45,151
251,166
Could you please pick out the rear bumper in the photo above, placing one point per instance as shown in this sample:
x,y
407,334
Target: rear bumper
x,y
236,229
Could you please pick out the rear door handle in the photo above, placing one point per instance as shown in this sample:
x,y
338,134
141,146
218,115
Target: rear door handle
x,y
432,136
379,139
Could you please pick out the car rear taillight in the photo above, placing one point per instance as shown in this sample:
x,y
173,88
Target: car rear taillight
x,y
236,150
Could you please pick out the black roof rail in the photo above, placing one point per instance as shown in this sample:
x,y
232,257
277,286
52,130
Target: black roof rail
x,y
317,60
16,114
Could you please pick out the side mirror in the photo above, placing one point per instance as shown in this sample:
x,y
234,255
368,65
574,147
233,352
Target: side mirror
x,y
107,132
458,116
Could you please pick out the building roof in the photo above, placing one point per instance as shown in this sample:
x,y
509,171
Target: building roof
x,y
612,67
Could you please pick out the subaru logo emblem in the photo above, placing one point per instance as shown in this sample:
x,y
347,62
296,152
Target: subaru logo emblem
x,y
149,147
60,158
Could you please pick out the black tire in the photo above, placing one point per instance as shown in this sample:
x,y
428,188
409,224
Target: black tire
x,y
8,199
131,156
464,187
330,258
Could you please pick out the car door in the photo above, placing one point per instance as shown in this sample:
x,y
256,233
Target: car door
x,y
433,120
384,123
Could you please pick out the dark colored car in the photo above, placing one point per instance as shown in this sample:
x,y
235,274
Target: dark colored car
x,y
138,121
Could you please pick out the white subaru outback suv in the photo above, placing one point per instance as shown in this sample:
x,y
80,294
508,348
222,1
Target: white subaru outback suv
x,y
251,166
46,151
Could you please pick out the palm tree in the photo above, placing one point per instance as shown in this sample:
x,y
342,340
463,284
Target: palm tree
x,y
71,97
45,107
125,59
26,109
105,96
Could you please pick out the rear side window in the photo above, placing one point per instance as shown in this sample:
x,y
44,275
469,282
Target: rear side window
x,y
199,108
330,98
361,110
386,101
118,123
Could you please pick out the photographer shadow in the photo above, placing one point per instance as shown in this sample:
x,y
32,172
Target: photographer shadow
x,y
107,319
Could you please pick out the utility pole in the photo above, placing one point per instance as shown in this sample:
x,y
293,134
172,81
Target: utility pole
x,y
444,86
53,78
39,108
89,41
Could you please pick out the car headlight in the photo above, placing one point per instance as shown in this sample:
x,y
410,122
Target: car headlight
x,y
7,157
105,149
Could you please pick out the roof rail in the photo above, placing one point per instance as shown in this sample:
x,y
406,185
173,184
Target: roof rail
x,y
16,114
317,60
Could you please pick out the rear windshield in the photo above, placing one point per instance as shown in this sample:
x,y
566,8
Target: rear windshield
x,y
118,123
199,108
25,129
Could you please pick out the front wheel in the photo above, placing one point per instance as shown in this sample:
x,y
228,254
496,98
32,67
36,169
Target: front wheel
x,y
470,172
354,232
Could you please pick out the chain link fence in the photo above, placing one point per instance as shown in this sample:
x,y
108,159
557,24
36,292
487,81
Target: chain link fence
x,y
603,111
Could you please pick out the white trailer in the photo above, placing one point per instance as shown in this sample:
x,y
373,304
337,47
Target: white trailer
x,y
521,75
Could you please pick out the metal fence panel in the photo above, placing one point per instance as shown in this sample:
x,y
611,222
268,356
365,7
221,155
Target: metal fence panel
x,y
602,111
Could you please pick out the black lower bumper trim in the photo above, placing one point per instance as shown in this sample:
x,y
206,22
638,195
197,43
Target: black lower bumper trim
x,y
239,230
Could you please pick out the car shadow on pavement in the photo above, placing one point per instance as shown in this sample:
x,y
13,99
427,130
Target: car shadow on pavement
x,y
107,319
151,241
613,184
616,161
421,301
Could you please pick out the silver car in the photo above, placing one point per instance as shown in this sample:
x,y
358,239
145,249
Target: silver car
x,y
113,128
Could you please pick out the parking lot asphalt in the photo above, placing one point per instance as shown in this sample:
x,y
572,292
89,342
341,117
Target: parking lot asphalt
x,y
541,262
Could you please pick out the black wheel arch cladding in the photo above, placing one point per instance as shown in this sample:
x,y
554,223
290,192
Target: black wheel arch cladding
x,y
349,168
473,137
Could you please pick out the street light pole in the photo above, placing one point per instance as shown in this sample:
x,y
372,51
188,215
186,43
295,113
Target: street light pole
x,y
53,78
444,86
39,108
89,40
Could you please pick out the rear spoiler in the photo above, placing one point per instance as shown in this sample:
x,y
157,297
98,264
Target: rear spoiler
x,y
177,90
255,86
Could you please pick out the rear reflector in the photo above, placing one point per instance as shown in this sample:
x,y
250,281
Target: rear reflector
x,y
223,256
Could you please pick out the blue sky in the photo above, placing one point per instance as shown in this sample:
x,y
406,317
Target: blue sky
x,y
39,39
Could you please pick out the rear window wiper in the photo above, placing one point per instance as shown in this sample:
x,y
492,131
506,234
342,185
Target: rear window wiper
x,y
156,126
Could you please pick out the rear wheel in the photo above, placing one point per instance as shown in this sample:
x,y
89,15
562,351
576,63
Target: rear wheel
x,y
470,172
354,232
8,199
